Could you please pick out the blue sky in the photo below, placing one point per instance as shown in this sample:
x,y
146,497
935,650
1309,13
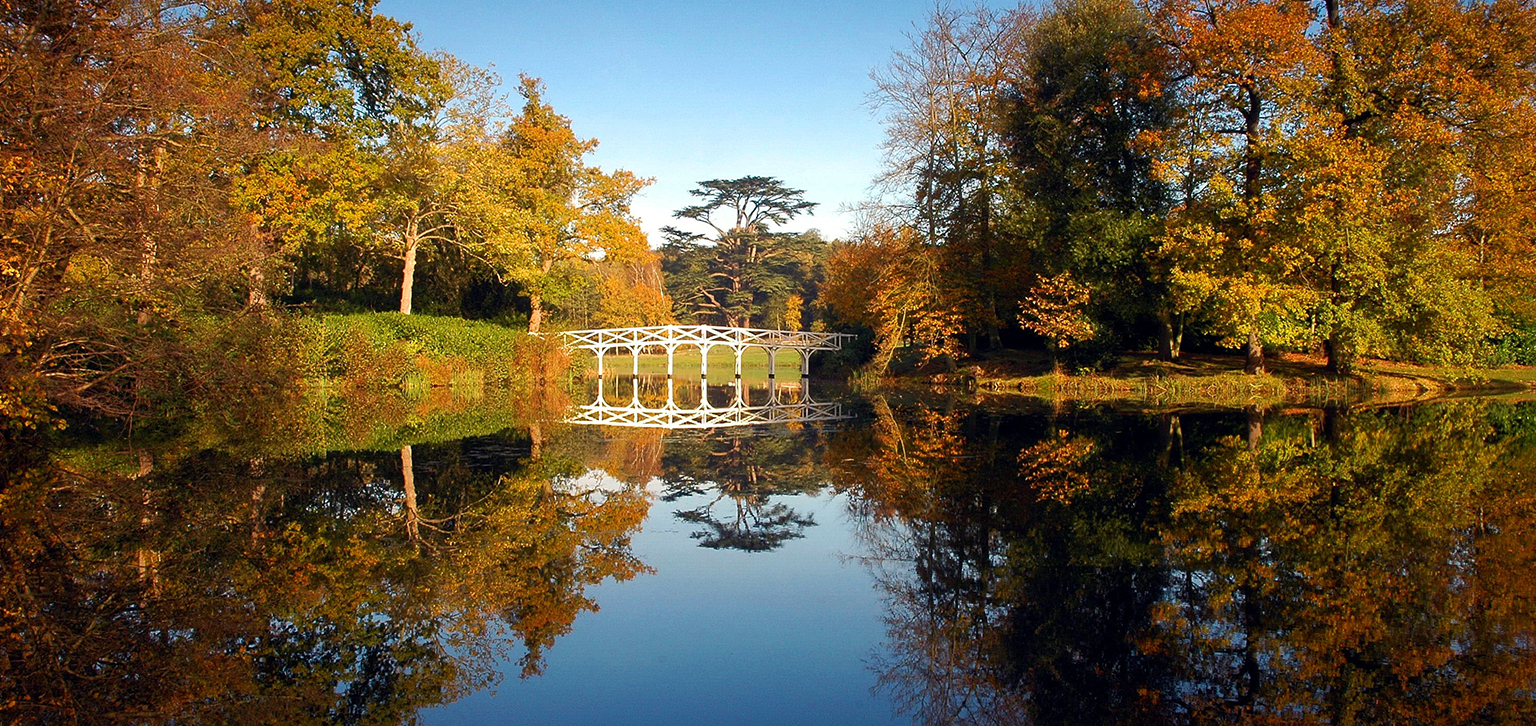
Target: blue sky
x,y
685,91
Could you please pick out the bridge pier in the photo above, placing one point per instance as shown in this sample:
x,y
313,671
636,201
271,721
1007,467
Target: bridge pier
x,y
805,376
704,375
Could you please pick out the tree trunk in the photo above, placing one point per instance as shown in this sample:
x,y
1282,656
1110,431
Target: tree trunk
x,y
536,299
1338,359
412,512
258,498
1173,334
256,274
1255,428
408,277
1254,352
256,292
536,312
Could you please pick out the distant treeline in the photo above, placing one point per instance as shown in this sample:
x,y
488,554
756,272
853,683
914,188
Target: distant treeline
x,y
1348,178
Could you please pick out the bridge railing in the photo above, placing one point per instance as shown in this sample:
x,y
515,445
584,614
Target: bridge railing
x,y
702,335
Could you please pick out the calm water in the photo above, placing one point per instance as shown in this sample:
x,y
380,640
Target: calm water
x,y
900,559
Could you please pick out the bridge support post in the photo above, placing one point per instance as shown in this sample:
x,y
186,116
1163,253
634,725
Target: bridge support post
x,y
634,357
704,375
740,398
600,353
773,373
805,376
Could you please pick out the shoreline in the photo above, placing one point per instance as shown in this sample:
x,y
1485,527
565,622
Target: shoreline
x,y
1217,381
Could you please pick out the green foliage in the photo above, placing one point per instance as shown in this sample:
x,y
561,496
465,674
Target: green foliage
x,y
382,349
1516,347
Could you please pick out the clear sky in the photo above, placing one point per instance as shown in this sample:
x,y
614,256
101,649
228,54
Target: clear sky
x,y
689,90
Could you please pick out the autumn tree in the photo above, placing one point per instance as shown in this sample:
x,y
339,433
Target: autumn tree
x,y
115,219
945,151
570,214
1055,310
1396,188
443,182
741,268
350,82
899,287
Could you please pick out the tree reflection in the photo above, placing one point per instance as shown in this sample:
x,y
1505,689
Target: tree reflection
x,y
203,586
1077,567
743,471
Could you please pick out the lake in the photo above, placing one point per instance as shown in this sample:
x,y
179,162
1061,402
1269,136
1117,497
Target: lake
x,y
804,558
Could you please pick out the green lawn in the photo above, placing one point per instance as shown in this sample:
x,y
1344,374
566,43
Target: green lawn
x,y
722,364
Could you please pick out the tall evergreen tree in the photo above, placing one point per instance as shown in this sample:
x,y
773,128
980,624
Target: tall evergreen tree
x,y
743,271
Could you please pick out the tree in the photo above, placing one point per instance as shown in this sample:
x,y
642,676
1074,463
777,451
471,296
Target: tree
x,y
1084,123
347,78
1247,63
741,271
1054,310
945,153
440,178
900,288
570,214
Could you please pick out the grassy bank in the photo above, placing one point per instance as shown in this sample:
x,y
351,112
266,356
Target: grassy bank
x,y
420,352
1218,381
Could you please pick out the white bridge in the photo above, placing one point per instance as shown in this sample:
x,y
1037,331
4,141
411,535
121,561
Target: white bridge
x,y
740,411
704,337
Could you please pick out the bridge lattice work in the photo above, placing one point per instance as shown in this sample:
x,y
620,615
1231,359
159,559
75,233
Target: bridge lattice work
x,y
603,341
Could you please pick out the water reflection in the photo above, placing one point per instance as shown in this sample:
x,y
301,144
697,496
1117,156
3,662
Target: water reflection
x,y
664,403
359,563
1315,567
171,583
742,473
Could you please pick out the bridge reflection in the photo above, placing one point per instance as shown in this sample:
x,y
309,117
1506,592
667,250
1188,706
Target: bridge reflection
x,y
785,403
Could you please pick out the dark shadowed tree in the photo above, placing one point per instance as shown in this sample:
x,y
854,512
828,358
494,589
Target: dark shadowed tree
x,y
741,271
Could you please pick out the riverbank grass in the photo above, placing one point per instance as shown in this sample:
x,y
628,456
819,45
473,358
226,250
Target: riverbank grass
x,y
1220,380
